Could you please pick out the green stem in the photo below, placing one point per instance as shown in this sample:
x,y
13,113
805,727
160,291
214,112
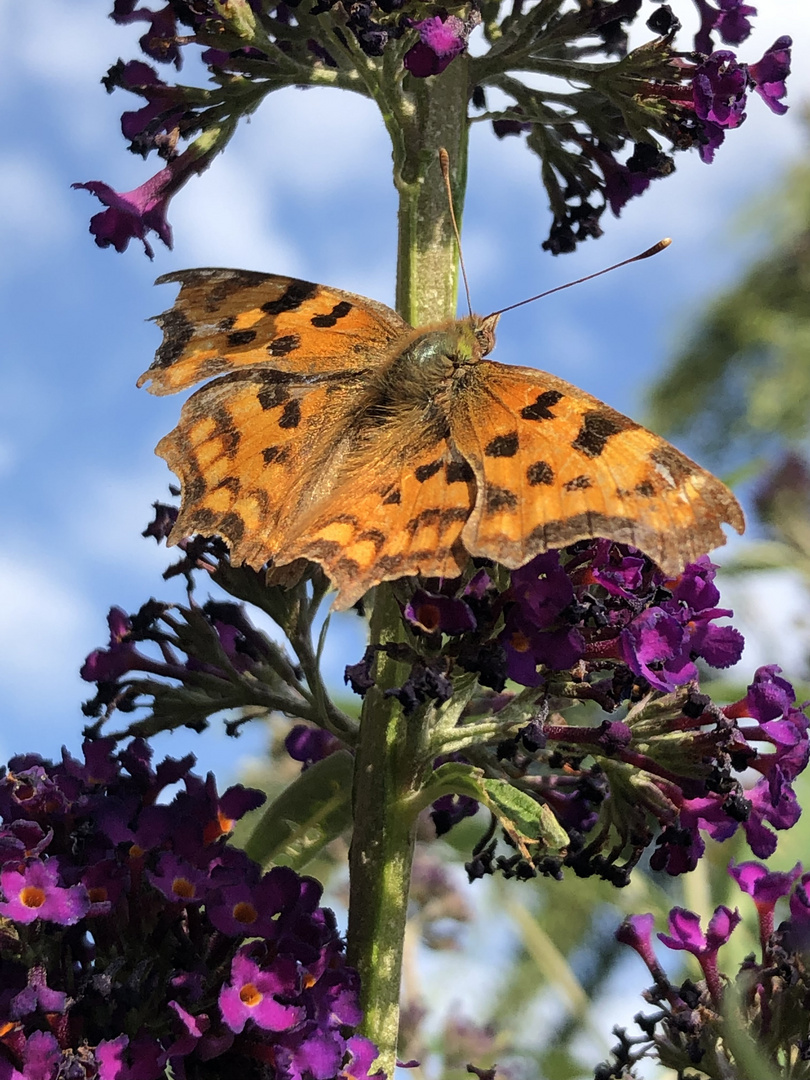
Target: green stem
x,y
427,263
391,749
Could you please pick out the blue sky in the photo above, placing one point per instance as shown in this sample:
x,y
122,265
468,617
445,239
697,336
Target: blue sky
x,y
305,190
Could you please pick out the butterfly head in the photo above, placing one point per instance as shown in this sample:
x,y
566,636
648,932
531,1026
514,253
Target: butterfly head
x,y
484,329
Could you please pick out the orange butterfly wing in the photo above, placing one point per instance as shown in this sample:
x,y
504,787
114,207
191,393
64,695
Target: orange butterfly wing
x,y
225,320
396,510
554,465
332,432
251,446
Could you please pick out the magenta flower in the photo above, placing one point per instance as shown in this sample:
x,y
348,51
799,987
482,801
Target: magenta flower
x,y
34,893
362,1054
132,214
685,933
441,39
636,931
250,994
768,76
765,887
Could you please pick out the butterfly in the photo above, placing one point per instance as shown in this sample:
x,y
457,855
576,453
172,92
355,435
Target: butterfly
x,y
331,431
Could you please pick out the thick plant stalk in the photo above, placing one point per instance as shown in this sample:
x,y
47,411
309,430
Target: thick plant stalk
x,y
390,750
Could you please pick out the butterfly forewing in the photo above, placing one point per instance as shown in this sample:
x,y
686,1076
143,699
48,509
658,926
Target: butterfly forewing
x,y
224,320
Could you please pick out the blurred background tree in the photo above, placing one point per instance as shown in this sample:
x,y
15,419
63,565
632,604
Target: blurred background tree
x,y
738,389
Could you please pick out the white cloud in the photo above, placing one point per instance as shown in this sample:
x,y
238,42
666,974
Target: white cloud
x,y
44,621
239,221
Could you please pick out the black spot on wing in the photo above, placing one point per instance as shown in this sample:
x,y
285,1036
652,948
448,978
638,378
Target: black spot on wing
x,y
645,489
226,324
424,472
393,498
597,428
579,483
540,473
296,293
241,337
281,346
339,311
273,394
458,472
290,414
499,498
502,445
541,408
275,454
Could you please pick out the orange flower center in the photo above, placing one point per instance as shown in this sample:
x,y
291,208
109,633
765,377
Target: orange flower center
x,y
250,995
519,641
428,615
182,887
32,896
245,913
220,826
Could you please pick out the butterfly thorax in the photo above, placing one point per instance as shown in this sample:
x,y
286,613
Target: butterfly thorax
x,y
432,364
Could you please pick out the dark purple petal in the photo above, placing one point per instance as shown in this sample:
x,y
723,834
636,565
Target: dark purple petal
x,y
435,613
719,90
770,73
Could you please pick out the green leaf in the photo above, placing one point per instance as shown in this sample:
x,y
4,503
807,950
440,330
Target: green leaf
x,y
314,809
524,819
534,820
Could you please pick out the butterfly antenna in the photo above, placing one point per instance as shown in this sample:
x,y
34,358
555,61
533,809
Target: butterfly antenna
x,y
636,258
444,161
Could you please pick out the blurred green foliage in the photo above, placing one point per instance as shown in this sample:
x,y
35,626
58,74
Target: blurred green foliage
x,y
740,385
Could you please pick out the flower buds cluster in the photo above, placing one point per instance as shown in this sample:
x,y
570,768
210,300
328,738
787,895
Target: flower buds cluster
x,y
597,130
768,999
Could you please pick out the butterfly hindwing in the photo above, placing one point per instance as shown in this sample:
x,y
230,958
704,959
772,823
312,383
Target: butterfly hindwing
x,y
555,465
396,511
248,450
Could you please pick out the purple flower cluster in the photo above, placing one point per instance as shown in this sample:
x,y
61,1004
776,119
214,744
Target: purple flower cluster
x,y
720,86
772,989
596,602
137,940
599,622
